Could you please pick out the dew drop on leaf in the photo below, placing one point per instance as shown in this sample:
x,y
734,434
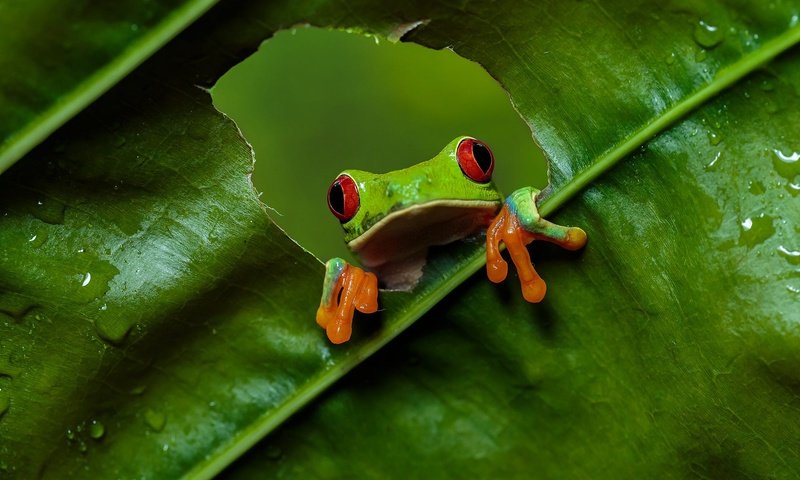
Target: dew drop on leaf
x,y
786,164
700,56
112,329
755,230
707,35
96,429
38,237
791,256
49,211
155,420
93,283
756,188
712,165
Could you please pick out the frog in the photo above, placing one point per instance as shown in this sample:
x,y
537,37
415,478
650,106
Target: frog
x,y
391,220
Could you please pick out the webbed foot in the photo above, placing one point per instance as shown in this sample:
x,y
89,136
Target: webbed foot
x,y
517,225
346,289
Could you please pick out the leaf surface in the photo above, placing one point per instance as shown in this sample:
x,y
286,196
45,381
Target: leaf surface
x,y
668,345
58,57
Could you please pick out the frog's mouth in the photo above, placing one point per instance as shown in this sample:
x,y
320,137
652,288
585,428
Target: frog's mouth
x,y
395,247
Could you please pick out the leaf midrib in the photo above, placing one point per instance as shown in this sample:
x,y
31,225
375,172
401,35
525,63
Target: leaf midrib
x,y
99,82
724,78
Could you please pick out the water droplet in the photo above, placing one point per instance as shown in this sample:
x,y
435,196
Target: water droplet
x,y
714,138
791,256
787,165
97,430
756,187
38,237
112,329
713,164
70,434
82,446
134,27
756,229
94,282
700,56
119,141
767,85
707,35
17,308
671,59
793,289
165,447
155,420
49,211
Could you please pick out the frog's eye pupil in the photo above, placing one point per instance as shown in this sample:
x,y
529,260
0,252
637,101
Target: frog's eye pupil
x,y
475,160
336,198
482,155
343,199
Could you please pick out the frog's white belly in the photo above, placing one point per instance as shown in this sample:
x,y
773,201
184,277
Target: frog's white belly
x,y
396,247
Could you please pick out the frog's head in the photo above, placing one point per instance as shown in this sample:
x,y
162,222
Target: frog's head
x,y
407,204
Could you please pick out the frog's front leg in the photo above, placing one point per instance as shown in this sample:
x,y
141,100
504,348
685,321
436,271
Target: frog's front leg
x,y
517,225
346,289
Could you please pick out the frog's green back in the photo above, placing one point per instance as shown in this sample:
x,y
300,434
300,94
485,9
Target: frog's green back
x,y
437,179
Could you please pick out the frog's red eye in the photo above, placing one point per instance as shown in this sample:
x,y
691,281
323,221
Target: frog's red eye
x,y
343,198
475,160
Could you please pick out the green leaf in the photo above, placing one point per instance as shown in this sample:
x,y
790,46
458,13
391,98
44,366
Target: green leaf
x,y
58,57
666,348
669,349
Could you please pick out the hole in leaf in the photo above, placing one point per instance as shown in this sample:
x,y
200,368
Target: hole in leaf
x,y
314,102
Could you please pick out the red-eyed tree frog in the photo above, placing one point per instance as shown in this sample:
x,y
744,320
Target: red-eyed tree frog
x,y
391,219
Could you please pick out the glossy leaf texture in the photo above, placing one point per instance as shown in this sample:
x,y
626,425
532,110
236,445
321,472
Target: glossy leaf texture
x,y
670,350
58,57
667,348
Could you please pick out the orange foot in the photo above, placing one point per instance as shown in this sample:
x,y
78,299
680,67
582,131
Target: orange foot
x,y
517,225
346,288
